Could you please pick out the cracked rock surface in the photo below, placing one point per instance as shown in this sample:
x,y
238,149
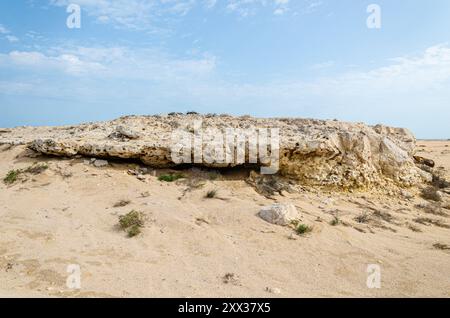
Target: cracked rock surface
x,y
315,152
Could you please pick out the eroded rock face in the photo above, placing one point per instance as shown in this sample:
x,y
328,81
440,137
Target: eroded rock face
x,y
315,152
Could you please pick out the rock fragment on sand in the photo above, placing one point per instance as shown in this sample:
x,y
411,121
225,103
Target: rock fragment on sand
x,y
100,163
279,213
273,290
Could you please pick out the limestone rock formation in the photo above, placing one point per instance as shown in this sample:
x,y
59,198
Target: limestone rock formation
x,y
314,152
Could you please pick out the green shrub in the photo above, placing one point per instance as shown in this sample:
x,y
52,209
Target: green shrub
x,y
11,177
303,229
132,223
170,177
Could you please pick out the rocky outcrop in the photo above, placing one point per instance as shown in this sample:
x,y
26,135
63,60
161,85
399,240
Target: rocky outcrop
x,y
315,152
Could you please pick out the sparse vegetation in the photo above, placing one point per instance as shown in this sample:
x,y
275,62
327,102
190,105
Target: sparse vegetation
x,y
36,168
441,246
211,194
428,221
230,278
11,176
433,208
121,203
362,218
385,216
335,221
132,223
303,229
170,177
134,231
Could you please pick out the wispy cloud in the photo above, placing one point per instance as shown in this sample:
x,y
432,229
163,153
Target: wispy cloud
x,y
428,71
7,34
153,14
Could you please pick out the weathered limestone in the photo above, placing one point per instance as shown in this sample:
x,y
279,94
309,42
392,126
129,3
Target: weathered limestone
x,y
315,152
279,214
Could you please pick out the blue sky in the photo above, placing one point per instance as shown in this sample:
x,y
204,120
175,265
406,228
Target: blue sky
x,y
302,58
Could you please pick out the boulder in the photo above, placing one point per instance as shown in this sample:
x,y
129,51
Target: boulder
x,y
280,214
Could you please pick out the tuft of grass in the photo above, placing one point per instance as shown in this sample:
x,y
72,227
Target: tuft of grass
x,y
303,229
11,176
211,194
132,223
362,218
335,221
134,231
170,177
36,168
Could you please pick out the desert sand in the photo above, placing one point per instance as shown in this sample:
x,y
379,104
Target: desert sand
x,y
192,246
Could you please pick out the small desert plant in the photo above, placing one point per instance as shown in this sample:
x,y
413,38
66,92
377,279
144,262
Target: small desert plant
x,y
335,221
11,177
36,168
431,193
121,203
211,194
362,218
170,177
441,246
132,222
134,231
303,229
230,278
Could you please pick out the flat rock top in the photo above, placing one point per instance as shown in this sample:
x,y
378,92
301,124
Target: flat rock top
x,y
325,152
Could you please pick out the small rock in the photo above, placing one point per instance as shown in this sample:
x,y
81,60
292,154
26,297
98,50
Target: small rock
x,y
140,177
406,194
100,163
273,290
280,214
127,132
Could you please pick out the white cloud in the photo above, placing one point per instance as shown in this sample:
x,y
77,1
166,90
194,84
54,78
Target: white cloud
x,y
12,38
7,34
153,14
416,87
3,30
111,63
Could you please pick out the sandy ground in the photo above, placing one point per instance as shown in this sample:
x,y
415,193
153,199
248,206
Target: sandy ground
x,y
66,215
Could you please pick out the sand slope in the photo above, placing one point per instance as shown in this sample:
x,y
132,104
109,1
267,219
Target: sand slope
x,y
66,216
